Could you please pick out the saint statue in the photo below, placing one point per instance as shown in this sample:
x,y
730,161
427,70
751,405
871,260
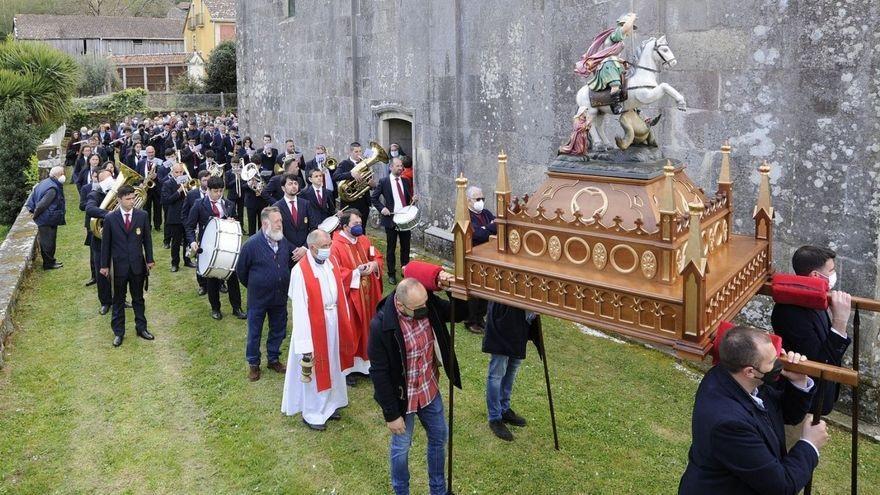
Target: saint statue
x,y
579,143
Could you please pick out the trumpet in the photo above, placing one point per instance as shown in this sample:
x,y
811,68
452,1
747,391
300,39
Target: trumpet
x,y
251,174
237,172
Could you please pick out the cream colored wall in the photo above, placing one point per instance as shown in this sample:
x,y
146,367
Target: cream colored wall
x,y
205,37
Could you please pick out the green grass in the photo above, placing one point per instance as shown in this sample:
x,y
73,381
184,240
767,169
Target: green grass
x,y
177,415
4,229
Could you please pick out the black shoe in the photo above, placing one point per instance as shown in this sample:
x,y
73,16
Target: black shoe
x,y
91,282
166,245
202,291
53,266
157,228
239,314
350,380
175,268
392,279
217,315
513,418
146,335
336,416
189,264
476,328
104,309
500,430
223,288
314,427
117,341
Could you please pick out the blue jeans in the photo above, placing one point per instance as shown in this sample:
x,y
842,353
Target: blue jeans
x,y
499,384
277,331
434,423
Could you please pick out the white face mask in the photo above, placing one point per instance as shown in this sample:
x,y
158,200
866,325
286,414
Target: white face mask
x,y
478,206
62,179
832,280
323,254
107,184
395,154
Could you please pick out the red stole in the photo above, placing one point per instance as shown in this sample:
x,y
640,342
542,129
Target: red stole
x,y
364,300
315,302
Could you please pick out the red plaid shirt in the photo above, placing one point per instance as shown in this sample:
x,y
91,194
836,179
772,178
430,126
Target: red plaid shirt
x,y
421,374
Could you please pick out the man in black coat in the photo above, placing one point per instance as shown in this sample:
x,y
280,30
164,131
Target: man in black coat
x,y
391,195
174,197
151,164
319,163
201,212
482,226
273,193
738,445
819,335
253,202
297,214
320,197
235,188
127,245
508,330
344,172
93,210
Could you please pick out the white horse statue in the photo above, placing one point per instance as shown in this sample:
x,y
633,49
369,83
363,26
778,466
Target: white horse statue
x,y
643,89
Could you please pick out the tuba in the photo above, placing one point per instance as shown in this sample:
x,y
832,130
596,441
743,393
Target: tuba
x,y
126,176
352,190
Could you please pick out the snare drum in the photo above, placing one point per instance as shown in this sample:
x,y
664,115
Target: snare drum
x,y
329,224
407,218
221,244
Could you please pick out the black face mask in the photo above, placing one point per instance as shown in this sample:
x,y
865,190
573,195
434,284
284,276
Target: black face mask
x,y
420,313
772,375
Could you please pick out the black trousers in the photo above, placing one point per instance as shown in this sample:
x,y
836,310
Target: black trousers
x,y
105,294
392,235
176,242
122,284
154,208
202,281
46,234
166,232
253,215
233,291
477,311
239,207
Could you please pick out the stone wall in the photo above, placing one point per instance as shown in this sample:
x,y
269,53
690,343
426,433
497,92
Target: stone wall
x,y
793,82
16,257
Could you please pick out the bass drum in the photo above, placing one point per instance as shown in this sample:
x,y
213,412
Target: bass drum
x,y
221,245
407,218
330,224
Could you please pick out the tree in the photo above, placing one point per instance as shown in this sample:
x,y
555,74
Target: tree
x,y
99,76
41,77
220,69
17,144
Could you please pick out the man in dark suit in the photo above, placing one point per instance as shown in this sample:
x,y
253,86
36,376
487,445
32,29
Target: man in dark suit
x,y
253,202
235,188
319,162
391,195
268,155
819,335
127,244
273,192
174,197
264,268
297,216
153,206
344,172
200,214
321,199
93,210
737,425
193,156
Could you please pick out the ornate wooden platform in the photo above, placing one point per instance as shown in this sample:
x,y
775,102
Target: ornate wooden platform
x,y
651,258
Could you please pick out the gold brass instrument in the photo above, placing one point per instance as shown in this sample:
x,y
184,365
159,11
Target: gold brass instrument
x,y
251,174
126,176
150,181
351,190
331,163
215,169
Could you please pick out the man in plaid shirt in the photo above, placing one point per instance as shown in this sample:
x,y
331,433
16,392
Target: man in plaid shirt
x,y
408,343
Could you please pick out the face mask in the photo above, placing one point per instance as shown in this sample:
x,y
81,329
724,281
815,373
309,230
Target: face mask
x,y
831,280
395,154
323,254
107,184
478,206
62,179
357,230
320,157
420,313
772,375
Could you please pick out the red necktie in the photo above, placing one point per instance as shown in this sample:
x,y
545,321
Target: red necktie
x,y
318,194
400,192
127,222
215,209
293,212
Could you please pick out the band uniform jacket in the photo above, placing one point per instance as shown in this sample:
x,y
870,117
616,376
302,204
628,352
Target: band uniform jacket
x,y
384,192
130,250
201,213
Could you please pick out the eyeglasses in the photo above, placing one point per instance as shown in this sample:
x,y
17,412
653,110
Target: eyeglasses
x,y
479,199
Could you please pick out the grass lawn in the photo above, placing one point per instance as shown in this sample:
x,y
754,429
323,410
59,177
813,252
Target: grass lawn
x,y
4,229
177,415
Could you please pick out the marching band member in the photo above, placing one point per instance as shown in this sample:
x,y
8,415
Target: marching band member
x,y
201,212
235,187
395,194
192,197
148,166
193,157
360,265
319,162
127,244
273,192
290,150
93,210
321,198
321,330
268,155
253,202
174,196
344,172
297,216
264,268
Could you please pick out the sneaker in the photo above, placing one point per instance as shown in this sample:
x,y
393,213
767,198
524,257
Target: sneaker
x,y
475,328
500,430
513,418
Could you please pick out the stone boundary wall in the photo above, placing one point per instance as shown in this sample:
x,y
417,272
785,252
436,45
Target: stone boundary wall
x,y
16,256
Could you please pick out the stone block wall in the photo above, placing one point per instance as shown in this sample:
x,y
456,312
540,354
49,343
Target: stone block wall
x,y
16,257
793,82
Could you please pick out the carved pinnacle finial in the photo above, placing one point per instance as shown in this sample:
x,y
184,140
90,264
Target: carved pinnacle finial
x,y
667,195
694,250
502,184
724,175
764,190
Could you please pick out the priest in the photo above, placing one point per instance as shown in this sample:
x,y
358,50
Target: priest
x,y
320,346
360,265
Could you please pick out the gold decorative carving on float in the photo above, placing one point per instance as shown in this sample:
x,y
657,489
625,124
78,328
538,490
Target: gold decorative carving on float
x,y
571,251
555,248
529,245
592,191
514,241
619,261
600,256
649,264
